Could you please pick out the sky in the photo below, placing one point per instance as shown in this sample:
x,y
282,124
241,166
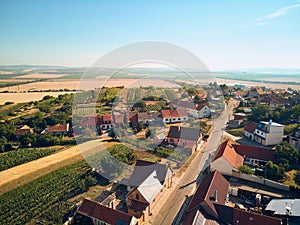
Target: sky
x,y
229,34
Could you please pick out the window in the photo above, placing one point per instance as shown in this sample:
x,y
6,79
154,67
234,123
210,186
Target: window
x,y
178,118
171,140
137,196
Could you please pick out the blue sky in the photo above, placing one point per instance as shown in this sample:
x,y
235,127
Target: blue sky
x,y
224,34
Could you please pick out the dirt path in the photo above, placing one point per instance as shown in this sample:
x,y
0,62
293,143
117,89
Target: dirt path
x,y
22,174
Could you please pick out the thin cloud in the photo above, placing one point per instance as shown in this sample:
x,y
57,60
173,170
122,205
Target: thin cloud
x,y
264,20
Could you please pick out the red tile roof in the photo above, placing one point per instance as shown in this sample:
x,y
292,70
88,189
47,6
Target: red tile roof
x,y
251,127
206,193
89,121
167,113
227,151
108,215
58,128
255,152
23,130
106,118
138,205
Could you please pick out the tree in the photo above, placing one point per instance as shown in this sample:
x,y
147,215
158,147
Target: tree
x,y
261,112
112,134
246,169
26,139
7,130
274,171
286,155
148,133
139,106
297,177
137,127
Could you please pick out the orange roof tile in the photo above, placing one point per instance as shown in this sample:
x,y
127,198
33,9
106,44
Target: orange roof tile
x,y
226,150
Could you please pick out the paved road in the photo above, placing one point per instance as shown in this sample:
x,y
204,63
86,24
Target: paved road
x,y
186,185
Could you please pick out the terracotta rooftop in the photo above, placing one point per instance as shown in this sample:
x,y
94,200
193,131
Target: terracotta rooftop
x,y
58,128
255,152
89,120
185,133
167,113
108,215
137,205
227,151
212,188
105,118
251,127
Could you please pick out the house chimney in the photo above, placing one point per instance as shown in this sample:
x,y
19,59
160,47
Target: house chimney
x,y
216,196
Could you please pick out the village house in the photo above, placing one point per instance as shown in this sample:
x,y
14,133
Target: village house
x,y
100,214
212,189
255,92
147,117
250,129
193,109
268,133
174,116
294,139
238,120
226,159
255,155
274,102
89,121
143,198
105,122
230,156
144,168
186,137
23,130
58,130
209,205
145,186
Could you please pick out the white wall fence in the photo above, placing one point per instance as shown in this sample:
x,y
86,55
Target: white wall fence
x,y
259,180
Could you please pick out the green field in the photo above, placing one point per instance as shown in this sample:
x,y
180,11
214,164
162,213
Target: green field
x,y
47,199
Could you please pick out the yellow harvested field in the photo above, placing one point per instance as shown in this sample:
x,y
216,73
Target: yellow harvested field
x,y
5,72
41,76
27,96
14,80
87,84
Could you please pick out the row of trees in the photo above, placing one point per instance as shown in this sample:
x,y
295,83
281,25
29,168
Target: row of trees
x,y
280,115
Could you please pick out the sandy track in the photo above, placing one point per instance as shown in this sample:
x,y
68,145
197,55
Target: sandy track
x,y
22,174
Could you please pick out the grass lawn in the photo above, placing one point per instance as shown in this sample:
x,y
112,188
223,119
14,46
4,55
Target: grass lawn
x,y
239,132
290,179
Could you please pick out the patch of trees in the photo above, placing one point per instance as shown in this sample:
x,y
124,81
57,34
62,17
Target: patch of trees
x,y
280,115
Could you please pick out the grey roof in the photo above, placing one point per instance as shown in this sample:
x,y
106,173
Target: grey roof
x,y
185,133
280,206
150,187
